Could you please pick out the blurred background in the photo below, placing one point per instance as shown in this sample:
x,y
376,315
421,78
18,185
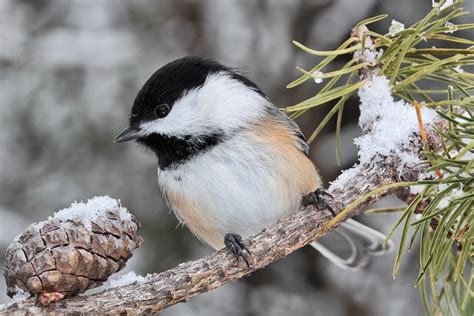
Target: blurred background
x,y
69,73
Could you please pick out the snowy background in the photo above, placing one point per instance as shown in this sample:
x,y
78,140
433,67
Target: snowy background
x,y
69,73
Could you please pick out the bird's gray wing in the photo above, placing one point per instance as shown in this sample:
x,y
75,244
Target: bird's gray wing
x,y
285,120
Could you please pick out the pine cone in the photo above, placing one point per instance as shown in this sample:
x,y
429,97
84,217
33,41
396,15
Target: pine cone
x,y
76,249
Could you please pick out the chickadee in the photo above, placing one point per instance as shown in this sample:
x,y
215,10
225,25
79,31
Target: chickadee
x,y
229,162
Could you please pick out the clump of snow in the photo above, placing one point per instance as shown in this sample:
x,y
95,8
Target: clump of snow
x,y
343,179
442,5
395,28
408,160
318,76
388,123
451,27
417,189
126,279
452,195
458,69
20,295
453,152
446,3
369,54
87,212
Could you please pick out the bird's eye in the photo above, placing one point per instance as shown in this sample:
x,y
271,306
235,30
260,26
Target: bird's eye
x,y
162,110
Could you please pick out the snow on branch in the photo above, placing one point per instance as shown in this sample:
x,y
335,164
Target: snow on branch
x,y
378,167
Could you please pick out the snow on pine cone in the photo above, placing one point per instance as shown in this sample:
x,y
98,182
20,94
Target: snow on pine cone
x,y
76,249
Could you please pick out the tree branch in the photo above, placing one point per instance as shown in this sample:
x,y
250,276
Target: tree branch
x,y
195,277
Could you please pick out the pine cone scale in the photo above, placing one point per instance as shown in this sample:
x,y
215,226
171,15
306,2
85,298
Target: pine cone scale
x,y
32,246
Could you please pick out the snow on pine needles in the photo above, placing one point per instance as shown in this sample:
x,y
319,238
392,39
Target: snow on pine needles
x,y
388,123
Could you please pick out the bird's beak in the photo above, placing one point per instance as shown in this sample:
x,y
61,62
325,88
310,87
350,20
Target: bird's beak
x,y
130,133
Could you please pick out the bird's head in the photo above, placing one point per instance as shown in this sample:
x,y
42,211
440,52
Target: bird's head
x,y
193,96
192,102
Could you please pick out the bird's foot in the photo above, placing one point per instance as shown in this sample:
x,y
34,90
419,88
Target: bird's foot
x,y
235,243
317,198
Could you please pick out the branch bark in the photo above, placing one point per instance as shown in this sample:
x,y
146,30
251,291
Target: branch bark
x,y
195,277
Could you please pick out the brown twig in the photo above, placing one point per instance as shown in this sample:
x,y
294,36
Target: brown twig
x,y
195,277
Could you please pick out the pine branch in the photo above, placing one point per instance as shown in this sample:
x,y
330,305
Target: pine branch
x,y
195,277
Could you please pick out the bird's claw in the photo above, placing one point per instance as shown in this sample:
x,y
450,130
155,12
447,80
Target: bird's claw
x,y
235,243
317,199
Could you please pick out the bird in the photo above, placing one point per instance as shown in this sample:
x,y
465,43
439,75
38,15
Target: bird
x,y
230,163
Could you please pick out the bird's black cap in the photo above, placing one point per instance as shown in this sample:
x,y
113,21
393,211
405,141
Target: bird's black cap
x,y
173,80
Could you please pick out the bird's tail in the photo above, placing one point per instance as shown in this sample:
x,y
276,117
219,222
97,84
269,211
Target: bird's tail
x,y
352,244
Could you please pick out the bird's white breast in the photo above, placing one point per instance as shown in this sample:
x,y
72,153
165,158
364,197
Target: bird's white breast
x,y
240,186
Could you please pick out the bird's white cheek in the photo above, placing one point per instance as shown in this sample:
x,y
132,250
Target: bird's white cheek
x,y
222,103
177,123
